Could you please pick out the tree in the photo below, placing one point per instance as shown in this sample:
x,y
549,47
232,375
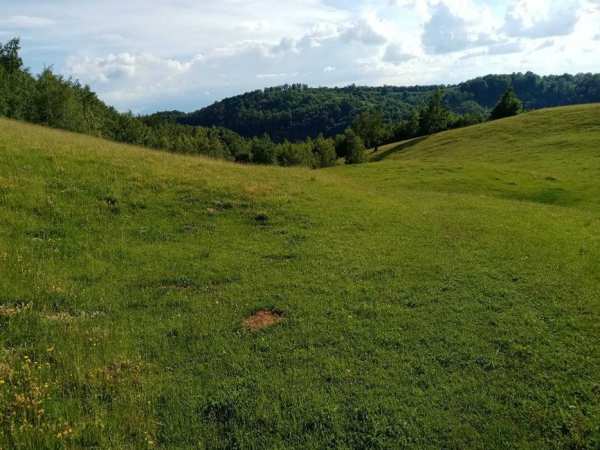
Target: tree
x,y
296,154
508,106
469,113
352,147
4,90
56,103
407,129
369,126
263,150
324,151
9,56
435,116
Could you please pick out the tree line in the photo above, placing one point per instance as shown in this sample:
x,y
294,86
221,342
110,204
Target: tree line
x,y
53,100
60,102
297,111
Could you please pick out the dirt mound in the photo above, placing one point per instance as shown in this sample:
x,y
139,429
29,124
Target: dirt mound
x,y
263,319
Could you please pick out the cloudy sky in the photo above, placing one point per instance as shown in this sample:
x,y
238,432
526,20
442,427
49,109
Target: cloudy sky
x,y
145,55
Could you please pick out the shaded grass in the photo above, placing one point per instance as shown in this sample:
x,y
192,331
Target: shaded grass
x,y
447,298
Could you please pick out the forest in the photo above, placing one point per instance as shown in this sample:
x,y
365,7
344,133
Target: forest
x,y
297,111
287,125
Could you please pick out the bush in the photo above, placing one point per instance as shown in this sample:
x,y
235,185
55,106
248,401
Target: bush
x,y
263,151
353,148
298,154
324,152
509,105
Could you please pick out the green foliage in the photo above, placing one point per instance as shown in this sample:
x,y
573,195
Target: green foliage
x,y
52,100
324,152
273,117
297,154
56,103
3,92
263,150
435,116
370,127
352,147
297,111
508,106
9,56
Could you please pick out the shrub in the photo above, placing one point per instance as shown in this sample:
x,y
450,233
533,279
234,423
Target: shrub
x,y
324,151
353,148
509,105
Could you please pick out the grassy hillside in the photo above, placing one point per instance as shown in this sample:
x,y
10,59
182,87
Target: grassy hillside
x,y
447,296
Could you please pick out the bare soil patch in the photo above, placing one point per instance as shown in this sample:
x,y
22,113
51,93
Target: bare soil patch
x,y
263,319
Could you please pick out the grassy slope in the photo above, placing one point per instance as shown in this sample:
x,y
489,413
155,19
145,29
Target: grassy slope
x,y
446,297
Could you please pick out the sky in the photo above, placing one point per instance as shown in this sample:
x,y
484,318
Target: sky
x,y
145,56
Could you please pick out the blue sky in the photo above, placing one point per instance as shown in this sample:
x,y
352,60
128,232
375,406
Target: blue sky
x,y
146,56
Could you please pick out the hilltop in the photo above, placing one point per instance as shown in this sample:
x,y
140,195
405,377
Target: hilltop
x,y
294,112
444,295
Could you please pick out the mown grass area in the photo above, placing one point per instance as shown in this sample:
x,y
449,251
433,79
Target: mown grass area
x,y
447,296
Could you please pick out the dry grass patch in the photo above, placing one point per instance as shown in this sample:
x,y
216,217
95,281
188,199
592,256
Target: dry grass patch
x,y
263,318
11,311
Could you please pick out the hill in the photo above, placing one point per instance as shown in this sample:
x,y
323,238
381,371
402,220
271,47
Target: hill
x,y
445,296
294,112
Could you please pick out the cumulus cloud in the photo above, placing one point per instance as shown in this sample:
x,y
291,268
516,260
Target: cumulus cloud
x,y
541,18
127,66
347,51
448,32
362,32
186,54
395,54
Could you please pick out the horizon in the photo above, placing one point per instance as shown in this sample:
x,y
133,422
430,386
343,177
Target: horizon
x,y
186,56
398,86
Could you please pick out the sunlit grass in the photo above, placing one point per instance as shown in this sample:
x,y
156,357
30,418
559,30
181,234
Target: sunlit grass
x,y
444,297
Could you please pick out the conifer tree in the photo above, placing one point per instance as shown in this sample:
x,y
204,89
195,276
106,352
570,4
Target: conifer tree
x,y
509,105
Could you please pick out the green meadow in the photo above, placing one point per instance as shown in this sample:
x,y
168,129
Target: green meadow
x,y
446,295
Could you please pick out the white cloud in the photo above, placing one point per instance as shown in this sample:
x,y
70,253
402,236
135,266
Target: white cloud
x,y
395,54
542,18
128,66
349,51
184,54
447,31
362,32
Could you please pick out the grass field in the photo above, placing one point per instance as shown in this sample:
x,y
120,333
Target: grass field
x,y
444,296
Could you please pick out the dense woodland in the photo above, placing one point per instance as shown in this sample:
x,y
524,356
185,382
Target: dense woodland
x,y
297,111
288,125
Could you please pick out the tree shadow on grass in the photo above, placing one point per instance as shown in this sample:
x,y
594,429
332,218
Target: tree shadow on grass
x,y
403,146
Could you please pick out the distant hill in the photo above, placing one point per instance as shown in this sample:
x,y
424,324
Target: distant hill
x,y
294,112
